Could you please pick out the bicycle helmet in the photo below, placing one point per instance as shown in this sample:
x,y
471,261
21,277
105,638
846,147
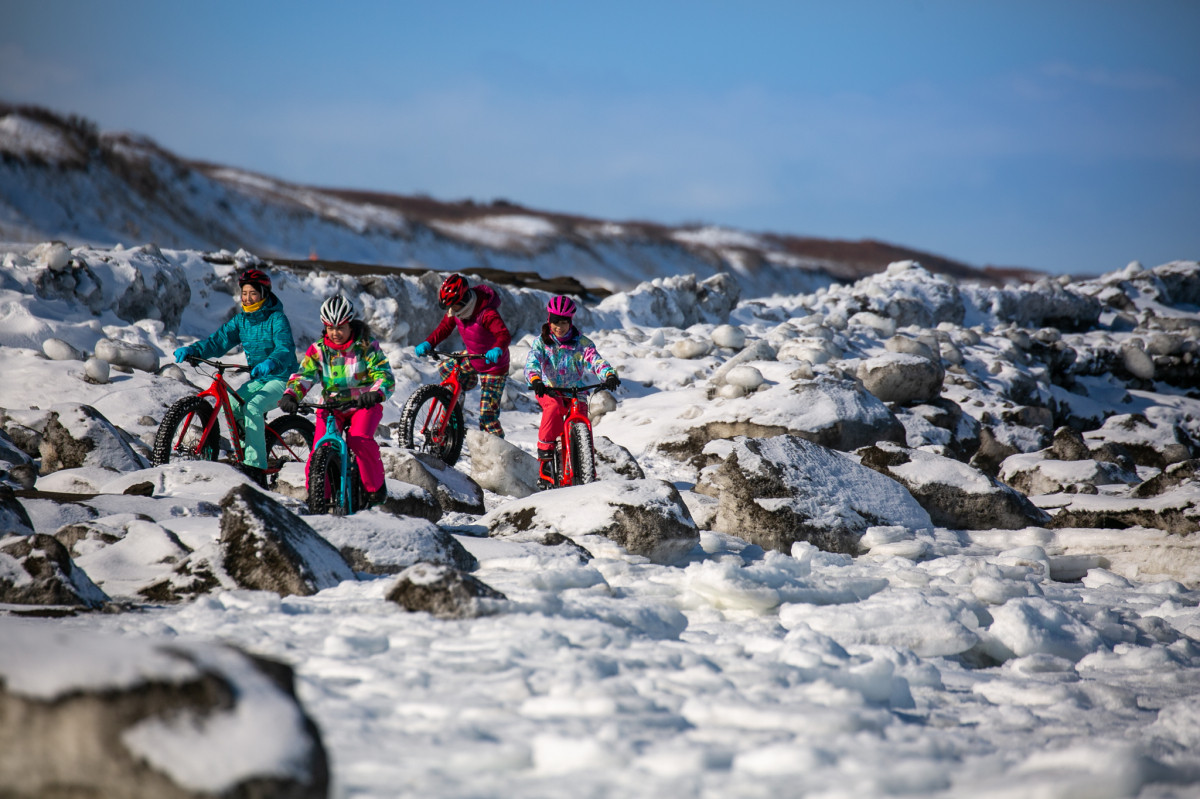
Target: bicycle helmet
x,y
337,310
454,290
562,305
257,278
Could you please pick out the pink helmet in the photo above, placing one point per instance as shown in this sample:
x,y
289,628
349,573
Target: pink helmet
x,y
561,306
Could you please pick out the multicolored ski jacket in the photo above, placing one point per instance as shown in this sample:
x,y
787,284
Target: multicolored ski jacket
x,y
482,331
264,334
357,366
565,364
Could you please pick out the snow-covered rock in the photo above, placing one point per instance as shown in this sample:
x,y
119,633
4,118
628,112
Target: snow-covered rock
x,y
268,548
775,492
902,378
131,715
388,545
454,490
501,467
443,592
78,435
955,495
644,517
127,354
36,570
58,350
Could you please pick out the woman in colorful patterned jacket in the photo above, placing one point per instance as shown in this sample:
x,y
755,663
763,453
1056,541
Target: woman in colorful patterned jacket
x,y
265,335
349,361
561,357
475,312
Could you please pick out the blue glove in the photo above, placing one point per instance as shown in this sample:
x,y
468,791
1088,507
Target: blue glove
x,y
493,355
181,354
422,349
262,369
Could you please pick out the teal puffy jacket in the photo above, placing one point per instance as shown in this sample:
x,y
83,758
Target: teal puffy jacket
x,y
265,335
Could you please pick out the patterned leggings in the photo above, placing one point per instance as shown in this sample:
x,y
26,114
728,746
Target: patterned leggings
x,y
491,389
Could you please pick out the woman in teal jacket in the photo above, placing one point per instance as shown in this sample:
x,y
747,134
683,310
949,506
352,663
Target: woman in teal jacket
x,y
264,333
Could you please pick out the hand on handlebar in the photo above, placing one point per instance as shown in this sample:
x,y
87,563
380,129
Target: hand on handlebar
x,y
288,403
181,354
539,388
611,382
368,399
422,349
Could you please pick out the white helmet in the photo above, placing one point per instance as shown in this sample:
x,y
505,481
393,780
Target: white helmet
x,y
336,310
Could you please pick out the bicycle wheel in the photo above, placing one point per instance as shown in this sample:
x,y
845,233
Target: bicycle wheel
x,y
180,432
427,426
583,457
325,481
289,440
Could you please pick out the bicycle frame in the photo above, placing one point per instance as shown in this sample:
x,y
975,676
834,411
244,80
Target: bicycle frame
x,y
219,392
576,411
438,419
335,437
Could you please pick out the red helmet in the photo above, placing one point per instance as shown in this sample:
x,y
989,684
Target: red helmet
x,y
454,290
562,305
255,277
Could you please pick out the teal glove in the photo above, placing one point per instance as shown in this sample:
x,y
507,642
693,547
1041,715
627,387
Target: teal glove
x,y
181,354
422,349
493,355
261,369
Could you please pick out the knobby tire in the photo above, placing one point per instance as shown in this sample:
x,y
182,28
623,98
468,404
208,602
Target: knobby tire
x,y
195,412
583,457
324,481
428,402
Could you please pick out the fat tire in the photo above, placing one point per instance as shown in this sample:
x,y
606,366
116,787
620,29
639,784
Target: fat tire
x,y
583,457
168,431
417,408
324,478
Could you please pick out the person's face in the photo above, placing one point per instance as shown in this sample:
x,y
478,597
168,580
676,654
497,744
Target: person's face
x,y
560,327
250,294
338,334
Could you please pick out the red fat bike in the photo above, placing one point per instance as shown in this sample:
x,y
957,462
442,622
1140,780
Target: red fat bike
x,y
432,418
574,454
190,429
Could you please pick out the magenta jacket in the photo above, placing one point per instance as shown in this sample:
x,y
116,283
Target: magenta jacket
x,y
482,331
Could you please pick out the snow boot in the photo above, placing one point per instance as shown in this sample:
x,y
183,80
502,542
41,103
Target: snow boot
x,y
546,476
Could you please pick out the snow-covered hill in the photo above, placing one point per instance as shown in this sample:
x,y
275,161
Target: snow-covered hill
x,y
61,179
903,536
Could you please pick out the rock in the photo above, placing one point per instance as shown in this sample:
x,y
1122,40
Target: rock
x,y
79,435
1158,442
36,570
729,337
1137,362
644,517
882,325
778,491
1034,474
406,499
902,378
600,403
130,716
745,377
614,462
58,350
390,546
689,348
455,492
444,592
1174,475
96,370
1176,511
955,495
1068,445
501,467
124,353
266,547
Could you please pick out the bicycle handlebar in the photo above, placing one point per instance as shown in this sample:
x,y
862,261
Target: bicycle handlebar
x,y
562,392
218,365
457,356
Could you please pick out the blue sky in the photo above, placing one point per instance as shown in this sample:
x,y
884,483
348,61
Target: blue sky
x,y
1055,135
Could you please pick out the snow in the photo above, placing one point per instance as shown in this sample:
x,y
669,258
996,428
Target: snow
x,y
1034,662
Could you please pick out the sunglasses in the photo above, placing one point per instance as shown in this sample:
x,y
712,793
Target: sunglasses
x,y
555,319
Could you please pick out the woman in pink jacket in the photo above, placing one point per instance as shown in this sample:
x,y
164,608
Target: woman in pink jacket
x,y
474,311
